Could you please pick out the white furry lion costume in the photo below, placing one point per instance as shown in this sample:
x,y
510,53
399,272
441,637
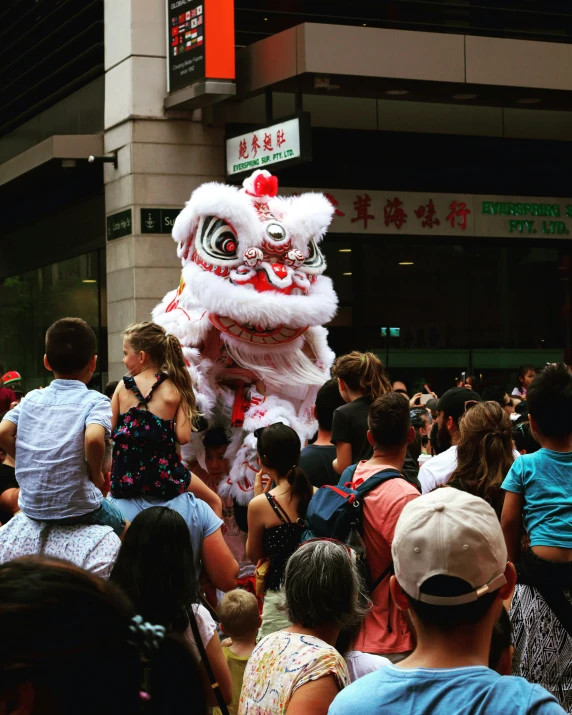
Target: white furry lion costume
x,y
249,308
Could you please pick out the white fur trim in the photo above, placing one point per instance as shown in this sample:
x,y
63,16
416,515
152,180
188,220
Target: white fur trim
x,y
270,309
222,201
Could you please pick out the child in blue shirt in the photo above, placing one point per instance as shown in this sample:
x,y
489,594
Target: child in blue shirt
x,y
58,436
539,486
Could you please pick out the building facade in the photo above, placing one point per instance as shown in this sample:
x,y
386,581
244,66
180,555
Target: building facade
x,y
440,131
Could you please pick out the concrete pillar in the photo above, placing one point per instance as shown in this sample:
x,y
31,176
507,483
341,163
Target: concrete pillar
x,y
162,158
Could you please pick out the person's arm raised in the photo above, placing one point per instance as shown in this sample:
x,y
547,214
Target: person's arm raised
x,y
218,563
313,698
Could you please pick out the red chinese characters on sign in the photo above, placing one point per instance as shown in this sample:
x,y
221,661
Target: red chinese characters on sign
x,y
335,203
267,142
394,213
255,145
458,210
361,205
429,215
242,149
280,138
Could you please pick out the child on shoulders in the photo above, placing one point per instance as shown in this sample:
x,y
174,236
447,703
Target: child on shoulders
x,y
154,409
58,434
539,486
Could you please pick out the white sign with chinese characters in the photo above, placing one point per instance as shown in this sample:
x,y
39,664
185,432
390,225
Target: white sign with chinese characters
x,y
263,147
393,212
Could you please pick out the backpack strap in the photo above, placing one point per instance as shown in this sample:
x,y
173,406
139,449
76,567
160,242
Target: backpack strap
x,y
347,475
375,480
278,510
205,661
380,578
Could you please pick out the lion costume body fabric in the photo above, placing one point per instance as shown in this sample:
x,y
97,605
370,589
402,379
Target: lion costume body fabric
x,y
249,311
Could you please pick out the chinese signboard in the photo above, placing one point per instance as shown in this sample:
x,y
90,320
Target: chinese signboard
x,y
186,53
158,220
287,141
392,212
119,225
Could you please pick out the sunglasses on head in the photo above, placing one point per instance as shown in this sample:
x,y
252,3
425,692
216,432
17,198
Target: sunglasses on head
x,y
469,404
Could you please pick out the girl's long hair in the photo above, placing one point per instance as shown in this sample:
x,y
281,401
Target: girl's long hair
x,y
279,448
484,453
61,624
362,372
164,351
155,567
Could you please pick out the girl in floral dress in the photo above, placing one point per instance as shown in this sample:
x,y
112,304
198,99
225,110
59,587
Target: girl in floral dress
x,y
153,408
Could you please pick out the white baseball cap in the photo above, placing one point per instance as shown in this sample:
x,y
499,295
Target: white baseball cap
x,y
449,533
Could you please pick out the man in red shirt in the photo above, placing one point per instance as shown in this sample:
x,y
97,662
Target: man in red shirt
x,y
385,631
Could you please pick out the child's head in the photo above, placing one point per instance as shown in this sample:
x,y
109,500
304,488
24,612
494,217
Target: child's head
x,y
456,581
239,614
549,400
149,345
328,400
109,389
389,421
156,569
500,654
360,374
215,443
70,349
525,376
523,440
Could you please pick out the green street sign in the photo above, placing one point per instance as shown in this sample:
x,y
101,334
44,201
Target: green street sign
x,y
158,220
119,225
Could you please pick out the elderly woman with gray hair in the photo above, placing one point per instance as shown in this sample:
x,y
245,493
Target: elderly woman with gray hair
x,y
297,670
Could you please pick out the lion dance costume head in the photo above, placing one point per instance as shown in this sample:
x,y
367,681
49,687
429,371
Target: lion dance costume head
x,y
248,311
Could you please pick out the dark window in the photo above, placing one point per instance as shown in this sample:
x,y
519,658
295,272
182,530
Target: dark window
x,y
48,50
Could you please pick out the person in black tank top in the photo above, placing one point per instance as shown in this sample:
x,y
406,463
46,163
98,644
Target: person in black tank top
x,y
276,516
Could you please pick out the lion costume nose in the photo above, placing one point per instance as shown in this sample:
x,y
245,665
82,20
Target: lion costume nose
x,y
280,270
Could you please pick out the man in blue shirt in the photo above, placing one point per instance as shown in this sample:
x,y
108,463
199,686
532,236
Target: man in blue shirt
x,y
451,575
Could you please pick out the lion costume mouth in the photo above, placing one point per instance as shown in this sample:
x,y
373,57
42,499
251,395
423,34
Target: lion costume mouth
x,y
256,334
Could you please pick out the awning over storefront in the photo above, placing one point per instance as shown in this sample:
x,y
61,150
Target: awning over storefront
x,y
343,60
67,147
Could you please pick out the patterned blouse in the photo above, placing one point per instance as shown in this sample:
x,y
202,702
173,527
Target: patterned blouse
x,y
280,664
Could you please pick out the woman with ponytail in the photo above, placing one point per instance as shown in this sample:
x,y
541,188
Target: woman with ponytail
x,y
361,380
276,515
484,454
154,408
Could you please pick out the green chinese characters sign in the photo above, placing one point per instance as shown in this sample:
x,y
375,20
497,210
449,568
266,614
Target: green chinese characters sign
x,y
546,217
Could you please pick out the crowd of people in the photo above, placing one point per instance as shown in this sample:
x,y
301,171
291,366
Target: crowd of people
x,y
415,557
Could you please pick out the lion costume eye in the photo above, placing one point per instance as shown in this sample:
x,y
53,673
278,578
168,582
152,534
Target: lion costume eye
x,y
217,241
275,232
315,261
